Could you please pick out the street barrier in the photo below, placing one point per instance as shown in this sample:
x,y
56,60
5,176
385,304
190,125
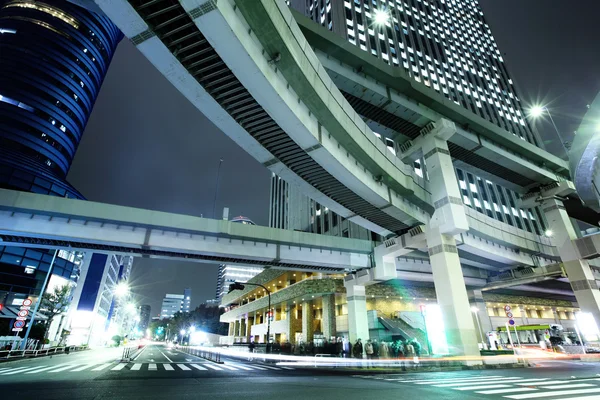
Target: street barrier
x,y
131,352
12,354
207,354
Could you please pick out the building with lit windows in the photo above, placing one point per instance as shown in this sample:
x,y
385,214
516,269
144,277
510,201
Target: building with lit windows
x,y
174,303
445,45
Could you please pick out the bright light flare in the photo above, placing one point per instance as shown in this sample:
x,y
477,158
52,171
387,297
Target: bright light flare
x,y
549,233
381,17
537,111
122,289
474,309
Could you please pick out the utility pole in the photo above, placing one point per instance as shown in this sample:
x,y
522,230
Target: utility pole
x,y
217,188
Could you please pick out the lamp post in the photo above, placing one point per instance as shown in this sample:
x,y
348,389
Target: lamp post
x,y
182,332
240,286
475,311
537,111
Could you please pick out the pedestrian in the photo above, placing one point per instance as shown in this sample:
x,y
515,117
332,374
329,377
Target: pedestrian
x,y
384,351
357,349
375,348
339,347
369,349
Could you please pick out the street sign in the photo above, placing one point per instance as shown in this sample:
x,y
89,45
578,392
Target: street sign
x,y
24,308
27,302
511,322
23,313
17,329
509,314
19,324
507,308
21,318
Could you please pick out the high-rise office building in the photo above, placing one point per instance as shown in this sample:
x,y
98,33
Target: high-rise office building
x,y
53,58
145,312
446,45
174,303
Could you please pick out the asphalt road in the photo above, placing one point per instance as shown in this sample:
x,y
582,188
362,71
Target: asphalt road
x,y
161,373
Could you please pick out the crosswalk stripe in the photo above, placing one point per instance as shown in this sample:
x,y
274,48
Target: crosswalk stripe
x,y
84,367
552,393
23,370
257,367
45,369
463,380
213,367
291,369
243,367
183,367
269,367
480,387
471,383
511,390
62,369
586,398
543,383
471,378
151,367
101,367
119,367
136,367
568,386
198,367
12,369
168,367
229,367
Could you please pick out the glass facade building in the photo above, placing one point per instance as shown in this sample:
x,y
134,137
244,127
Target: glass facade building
x,y
54,58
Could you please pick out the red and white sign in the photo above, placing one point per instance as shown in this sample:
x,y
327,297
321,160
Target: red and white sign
x,y
23,313
507,308
27,302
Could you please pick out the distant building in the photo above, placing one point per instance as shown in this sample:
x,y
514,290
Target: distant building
x,y
145,312
174,303
212,303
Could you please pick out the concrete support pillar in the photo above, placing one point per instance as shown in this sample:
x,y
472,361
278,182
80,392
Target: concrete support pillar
x,y
578,271
480,314
448,220
243,326
524,319
248,328
231,329
307,321
328,316
358,323
555,315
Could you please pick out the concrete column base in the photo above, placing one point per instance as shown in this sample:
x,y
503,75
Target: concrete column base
x,y
358,323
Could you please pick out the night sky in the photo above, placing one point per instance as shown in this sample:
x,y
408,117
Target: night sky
x,y
146,146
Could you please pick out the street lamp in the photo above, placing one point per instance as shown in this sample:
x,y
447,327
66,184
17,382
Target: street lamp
x,y
538,111
381,17
121,290
548,233
182,332
475,311
239,286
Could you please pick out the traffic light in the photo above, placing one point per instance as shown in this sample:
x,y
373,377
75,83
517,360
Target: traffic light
x,y
235,286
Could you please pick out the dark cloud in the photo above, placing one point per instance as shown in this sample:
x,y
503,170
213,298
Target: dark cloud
x,y
147,146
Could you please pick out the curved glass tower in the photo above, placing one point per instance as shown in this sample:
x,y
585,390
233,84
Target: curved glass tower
x,y
53,58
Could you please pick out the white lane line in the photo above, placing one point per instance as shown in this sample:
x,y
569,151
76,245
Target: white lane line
x,y
45,369
256,367
151,367
136,367
183,367
584,397
198,367
441,381
471,378
13,369
553,393
138,356
66,367
273,368
101,367
82,368
23,370
166,356
213,367
168,367
119,367
568,386
291,369
482,387
243,367
511,390
491,382
229,367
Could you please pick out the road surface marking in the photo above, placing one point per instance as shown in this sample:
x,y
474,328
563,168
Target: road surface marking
x,y
543,383
12,369
483,382
229,367
45,369
549,394
23,370
482,387
82,368
119,367
168,367
166,356
143,350
136,367
585,397
274,368
256,367
511,390
183,367
243,367
62,369
213,367
466,380
471,378
198,367
568,386
101,367
151,367
291,369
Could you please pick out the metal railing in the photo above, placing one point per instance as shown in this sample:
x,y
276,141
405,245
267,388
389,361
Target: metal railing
x,y
11,354
207,354
131,352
